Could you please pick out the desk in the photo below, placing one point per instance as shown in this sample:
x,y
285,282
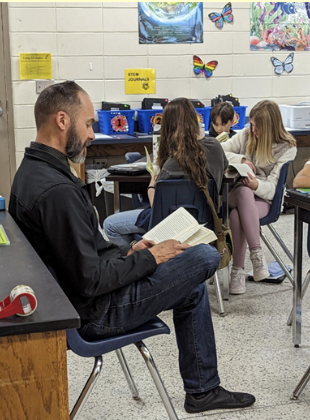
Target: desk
x,y
33,368
300,207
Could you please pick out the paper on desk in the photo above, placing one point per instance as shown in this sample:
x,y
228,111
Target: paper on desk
x,y
99,136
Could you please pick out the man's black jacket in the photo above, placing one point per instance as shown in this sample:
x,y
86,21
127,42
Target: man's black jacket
x,y
53,209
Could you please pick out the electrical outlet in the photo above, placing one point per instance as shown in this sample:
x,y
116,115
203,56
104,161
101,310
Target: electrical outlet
x,y
42,84
101,161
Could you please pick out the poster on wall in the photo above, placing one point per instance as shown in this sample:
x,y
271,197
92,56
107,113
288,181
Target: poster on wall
x,y
139,81
280,26
35,66
170,23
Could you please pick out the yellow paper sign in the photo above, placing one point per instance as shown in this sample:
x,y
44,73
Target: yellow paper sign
x,y
35,66
139,81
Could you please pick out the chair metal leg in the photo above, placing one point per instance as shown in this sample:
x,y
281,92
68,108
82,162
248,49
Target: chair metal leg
x,y
302,383
87,388
303,291
280,241
225,274
132,386
157,379
276,256
219,294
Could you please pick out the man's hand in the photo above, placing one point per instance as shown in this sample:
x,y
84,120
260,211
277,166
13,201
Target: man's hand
x,y
143,244
251,164
251,182
166,250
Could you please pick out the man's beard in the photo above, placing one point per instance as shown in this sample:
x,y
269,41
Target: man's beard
x,y
75,149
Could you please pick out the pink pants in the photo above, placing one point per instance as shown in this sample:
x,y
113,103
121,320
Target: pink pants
x,y
244,221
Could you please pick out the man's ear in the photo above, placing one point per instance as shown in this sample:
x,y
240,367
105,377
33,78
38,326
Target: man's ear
x,y
62,120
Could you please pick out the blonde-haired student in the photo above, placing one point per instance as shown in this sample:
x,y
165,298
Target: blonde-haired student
x,y
265,146
302,179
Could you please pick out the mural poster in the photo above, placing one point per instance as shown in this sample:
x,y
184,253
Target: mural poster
x,y
280,26
170,23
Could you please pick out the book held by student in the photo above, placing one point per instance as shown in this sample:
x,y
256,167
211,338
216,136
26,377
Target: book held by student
x,y
181,226
242,168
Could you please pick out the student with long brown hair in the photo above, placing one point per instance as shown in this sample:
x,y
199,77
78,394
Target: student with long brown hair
x,y
182,154
265,147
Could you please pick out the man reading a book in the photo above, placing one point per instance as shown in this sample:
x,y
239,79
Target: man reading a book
x,y
114,289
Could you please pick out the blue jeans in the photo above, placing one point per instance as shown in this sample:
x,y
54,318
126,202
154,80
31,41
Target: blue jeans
x,y
120,227
178,284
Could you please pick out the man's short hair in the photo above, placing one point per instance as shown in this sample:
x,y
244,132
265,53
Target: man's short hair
x,y
224,110
58,97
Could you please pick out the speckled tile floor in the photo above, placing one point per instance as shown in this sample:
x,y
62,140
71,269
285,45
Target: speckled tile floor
x,y
255,354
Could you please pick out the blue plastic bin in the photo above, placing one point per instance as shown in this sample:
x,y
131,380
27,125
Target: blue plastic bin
x,y
204,115
240,110
147,118
116,122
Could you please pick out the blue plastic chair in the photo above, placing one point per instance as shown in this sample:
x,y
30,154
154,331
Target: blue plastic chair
x,y
97,348
138,200
272,217
175,193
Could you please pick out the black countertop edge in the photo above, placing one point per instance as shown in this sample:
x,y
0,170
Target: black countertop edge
x,y
43,327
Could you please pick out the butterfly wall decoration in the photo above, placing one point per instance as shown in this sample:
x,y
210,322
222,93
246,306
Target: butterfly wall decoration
x,y
200,67
220,18
286,65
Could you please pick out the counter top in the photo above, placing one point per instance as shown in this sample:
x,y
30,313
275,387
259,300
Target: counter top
x,y
20,264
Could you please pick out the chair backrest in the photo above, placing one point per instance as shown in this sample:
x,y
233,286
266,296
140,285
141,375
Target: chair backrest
x,y
275,209
132,156
138,200
174,193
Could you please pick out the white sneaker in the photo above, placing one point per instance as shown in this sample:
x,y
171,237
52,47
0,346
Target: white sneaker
x,y
260,267
237,281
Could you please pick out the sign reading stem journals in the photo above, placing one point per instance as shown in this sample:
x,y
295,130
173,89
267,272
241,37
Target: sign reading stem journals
x,y
139,81
35,66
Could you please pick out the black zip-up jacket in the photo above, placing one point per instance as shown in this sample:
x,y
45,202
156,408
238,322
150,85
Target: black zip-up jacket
x,y
53,209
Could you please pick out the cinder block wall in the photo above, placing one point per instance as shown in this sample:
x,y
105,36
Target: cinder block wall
x,y
106,35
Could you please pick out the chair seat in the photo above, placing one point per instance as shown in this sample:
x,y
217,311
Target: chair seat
x,y
96,348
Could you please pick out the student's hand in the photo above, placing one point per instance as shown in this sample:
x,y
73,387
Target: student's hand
x,y
251,182
166,250
251,164
143,244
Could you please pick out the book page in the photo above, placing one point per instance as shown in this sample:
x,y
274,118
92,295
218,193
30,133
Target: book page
x,y
202,236
183,238
241,168
149,165
172,227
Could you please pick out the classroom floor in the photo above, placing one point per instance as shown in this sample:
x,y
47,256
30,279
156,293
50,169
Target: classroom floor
x,y
255,354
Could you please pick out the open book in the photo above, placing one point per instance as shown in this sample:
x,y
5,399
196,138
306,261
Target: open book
x,y
150,167
241,168
183,227
222,137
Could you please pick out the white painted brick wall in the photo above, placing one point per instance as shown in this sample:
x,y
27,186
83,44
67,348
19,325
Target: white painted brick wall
x,y
106,35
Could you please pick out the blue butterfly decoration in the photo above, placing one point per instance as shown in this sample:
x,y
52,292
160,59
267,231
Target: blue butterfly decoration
x,y
220,18
286,65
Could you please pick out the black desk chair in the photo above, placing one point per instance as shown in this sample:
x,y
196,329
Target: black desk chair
x,y
97,348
